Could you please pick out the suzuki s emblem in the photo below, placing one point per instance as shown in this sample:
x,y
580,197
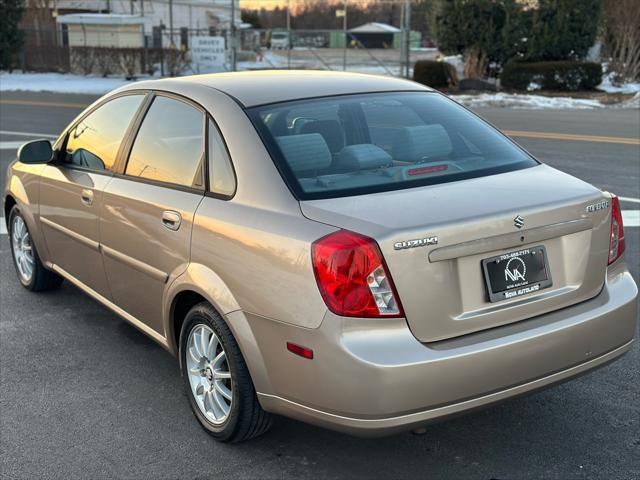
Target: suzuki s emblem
x,y
515,270
518,222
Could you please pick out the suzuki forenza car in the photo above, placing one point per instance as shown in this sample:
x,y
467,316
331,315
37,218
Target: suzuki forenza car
x,y
357,252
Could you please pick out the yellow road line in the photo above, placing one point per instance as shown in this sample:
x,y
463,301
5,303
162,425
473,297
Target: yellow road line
x,y
33,103
572,137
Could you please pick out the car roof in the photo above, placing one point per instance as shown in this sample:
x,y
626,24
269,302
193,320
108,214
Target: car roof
x,y
262,87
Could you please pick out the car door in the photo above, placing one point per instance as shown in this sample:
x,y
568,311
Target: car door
x,y
149,207
71,189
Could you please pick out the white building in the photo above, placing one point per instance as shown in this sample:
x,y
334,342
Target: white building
x,y
187,17
103,30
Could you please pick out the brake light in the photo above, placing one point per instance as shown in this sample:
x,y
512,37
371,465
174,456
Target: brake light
x,y
426,170
616,243
352,276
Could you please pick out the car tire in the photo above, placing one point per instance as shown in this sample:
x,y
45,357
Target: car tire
x,y
32,274
205,380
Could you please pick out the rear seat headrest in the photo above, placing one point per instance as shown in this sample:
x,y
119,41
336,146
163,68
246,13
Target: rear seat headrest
x,y
305,152
415,144
362,157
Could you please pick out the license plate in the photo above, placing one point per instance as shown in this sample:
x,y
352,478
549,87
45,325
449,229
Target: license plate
x,y
516,273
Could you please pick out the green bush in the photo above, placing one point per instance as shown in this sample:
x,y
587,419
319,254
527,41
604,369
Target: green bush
x,y
563,29
569,75
435,74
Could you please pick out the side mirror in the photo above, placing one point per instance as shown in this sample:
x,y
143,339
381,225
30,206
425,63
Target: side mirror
x,y
38,151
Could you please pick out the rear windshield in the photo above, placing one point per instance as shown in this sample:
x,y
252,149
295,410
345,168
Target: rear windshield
x,y
355,144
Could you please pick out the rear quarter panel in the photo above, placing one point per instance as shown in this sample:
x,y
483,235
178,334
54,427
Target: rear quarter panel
x,y
263,258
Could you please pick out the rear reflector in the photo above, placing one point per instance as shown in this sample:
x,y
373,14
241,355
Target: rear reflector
x,y
301,351
616,243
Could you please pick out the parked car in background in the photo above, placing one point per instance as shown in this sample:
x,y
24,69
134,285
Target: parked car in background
x,y
279,40
353,251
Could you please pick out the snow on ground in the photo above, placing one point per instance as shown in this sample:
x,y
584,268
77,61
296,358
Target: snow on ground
x,y
278,59
525,101
269,60
68,83
59,82
608,86
633,102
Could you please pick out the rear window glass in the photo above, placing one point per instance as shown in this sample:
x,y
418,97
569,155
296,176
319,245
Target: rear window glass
x,y
354,144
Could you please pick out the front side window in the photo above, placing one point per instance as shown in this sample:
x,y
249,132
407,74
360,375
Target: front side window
x,y
94,142
355,144
169,146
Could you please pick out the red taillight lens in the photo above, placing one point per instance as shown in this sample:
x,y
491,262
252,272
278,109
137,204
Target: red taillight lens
x,y
616,243
352,276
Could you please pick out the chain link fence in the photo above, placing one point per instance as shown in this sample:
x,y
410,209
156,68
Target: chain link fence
x,y
55,48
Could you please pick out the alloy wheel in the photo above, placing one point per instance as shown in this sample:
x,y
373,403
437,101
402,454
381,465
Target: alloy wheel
x,y
22,249
209,374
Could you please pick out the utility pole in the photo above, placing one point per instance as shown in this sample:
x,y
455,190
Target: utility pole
x,y
289,34
171,24
407,51
346,38
145,46
234,63
402,42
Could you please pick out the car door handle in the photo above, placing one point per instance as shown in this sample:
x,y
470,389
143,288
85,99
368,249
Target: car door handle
x,y
171,220
87,196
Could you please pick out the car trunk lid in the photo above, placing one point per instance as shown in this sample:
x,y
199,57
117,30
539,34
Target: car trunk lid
x,y
442,285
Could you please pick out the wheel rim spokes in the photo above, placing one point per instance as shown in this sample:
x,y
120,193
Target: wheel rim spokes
x,y
22,248
209,374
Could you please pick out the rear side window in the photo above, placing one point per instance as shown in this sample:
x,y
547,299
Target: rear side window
x,y
169,146
95,141
222,179
356,144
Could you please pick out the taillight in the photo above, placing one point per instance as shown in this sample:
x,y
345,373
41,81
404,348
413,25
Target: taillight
x,y
352,276
616,243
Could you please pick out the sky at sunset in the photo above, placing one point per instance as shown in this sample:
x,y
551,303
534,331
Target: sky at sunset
x,y
255,4
262,3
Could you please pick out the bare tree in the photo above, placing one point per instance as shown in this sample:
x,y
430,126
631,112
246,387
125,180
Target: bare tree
x,y
622,38
130,61
177,60
106,59
83,59
321,14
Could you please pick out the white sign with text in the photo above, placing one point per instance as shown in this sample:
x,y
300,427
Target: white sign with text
x,y
208,53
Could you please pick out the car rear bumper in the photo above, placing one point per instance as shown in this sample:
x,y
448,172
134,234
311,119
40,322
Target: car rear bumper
x,y
373,377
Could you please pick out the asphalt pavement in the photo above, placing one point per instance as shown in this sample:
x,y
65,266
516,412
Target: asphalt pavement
x,y
84,395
